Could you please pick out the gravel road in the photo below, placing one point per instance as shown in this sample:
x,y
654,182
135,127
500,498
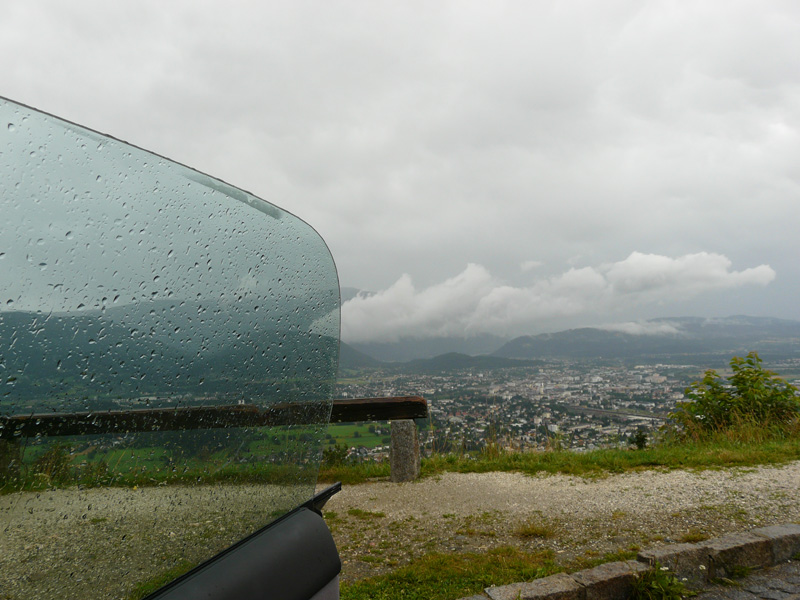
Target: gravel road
x,y
99,543
584,518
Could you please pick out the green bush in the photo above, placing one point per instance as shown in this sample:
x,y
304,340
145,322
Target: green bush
x,y
54,464
752,397
639,439
335,456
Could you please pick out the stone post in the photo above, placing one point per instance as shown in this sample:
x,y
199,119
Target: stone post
x,y
404,451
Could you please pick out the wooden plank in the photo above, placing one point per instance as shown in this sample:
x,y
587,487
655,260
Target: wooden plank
x,y
209,417
347,410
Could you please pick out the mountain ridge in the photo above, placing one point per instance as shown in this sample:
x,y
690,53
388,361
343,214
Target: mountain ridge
x,y
658,338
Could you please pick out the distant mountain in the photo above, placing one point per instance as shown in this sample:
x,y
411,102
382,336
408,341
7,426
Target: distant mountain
x,y
411,349
350,358
659,338
160,348
454,361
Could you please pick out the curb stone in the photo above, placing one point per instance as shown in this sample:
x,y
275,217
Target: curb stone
x,y
695,564
610,581
555,587
742,550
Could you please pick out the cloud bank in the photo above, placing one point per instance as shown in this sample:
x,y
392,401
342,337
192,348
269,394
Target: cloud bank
x,y
475,302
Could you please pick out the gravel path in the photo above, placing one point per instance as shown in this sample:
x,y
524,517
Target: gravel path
x,y
99,543
584,518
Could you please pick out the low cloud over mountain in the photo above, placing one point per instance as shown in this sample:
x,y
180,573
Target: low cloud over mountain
x,y
475,302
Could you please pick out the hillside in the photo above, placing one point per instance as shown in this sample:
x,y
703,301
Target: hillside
x,y
677,338
454,361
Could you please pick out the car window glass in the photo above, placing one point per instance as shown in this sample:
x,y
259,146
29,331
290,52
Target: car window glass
x,y
168,346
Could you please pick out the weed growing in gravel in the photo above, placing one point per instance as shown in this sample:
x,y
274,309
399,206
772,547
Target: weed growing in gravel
x,y
147,587
692,536
534,528
659,584
365,514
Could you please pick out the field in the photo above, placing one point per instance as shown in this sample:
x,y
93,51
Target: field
x,y
353,435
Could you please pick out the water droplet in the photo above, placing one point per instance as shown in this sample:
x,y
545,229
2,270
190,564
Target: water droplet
x,y
11,127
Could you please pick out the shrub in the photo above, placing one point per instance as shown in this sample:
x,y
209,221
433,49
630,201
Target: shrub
x,y
54,464
639,439
335,455
752,396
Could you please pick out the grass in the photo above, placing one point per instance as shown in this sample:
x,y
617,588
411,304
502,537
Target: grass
x,y
448,576
692,536
716,453
353,474
145,466
365,514
353,435
151,585
534,528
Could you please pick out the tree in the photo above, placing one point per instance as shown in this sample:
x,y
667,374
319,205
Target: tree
x,y
752,396
639,439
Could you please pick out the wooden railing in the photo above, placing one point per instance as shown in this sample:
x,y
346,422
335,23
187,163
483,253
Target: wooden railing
x,y
344,410
399,410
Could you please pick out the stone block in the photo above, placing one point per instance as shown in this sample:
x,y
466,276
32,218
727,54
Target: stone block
x,y
687,561
785,540
610,581
555,587
404,461
737,550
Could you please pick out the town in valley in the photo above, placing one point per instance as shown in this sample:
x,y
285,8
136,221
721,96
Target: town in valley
x,y
558,404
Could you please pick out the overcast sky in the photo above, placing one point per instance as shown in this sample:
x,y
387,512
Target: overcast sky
x,y
505,167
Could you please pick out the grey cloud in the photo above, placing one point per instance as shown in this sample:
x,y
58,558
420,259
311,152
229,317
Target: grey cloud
x,y
419,137
642,328
474,302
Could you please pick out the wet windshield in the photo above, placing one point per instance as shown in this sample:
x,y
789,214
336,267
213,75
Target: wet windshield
x,y
168,346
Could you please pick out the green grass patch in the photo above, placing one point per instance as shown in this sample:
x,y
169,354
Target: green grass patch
x,y
715,453
151,585
144,467
354,435
365,514
692,536
448,576
534,528
352,474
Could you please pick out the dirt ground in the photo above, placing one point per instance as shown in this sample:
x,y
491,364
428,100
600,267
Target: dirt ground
x,y
380,526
